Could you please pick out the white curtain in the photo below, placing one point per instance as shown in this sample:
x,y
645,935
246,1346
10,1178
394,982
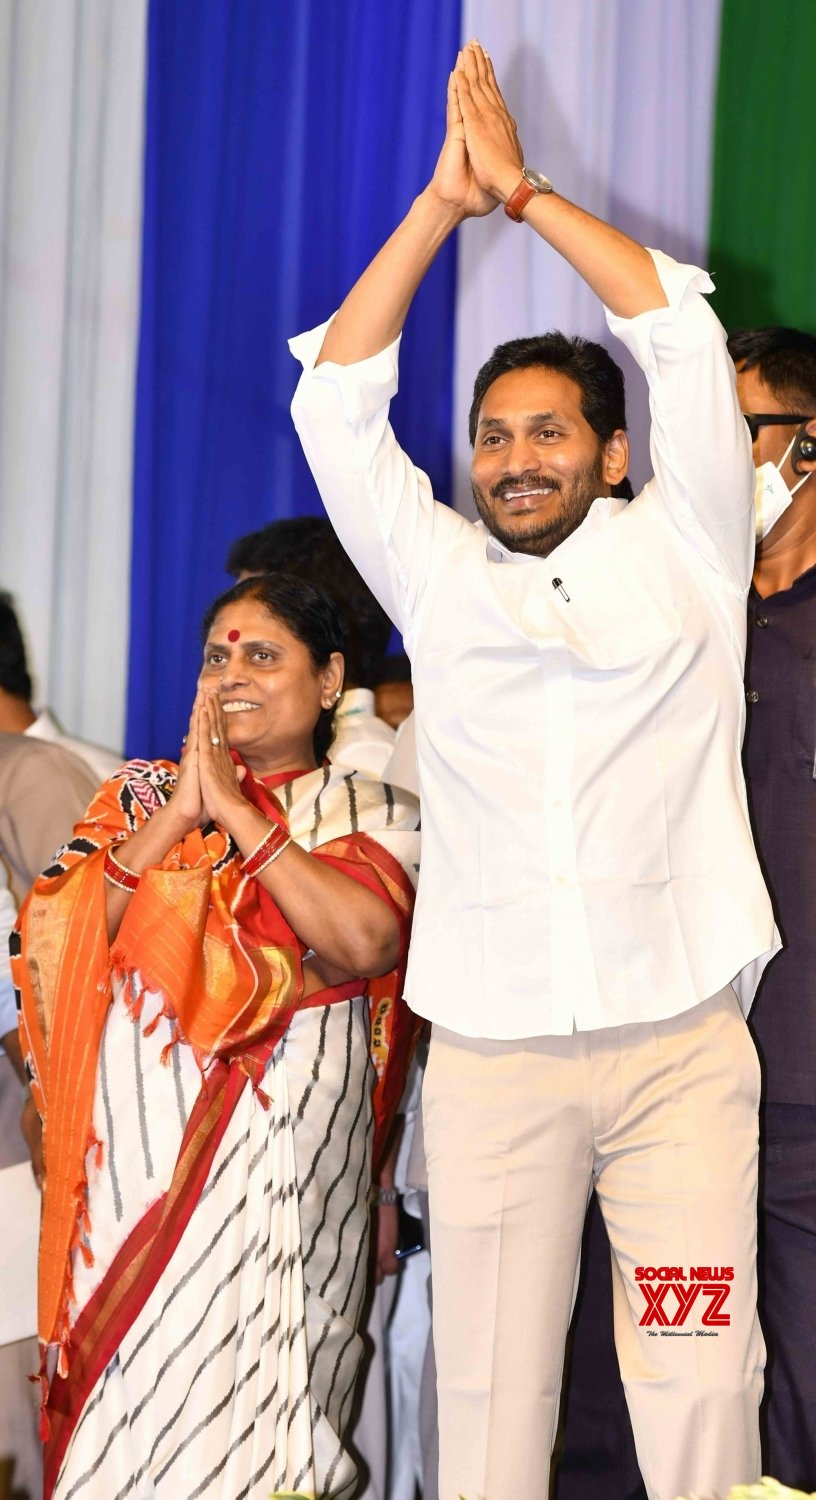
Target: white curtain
x,y
72,80
614,100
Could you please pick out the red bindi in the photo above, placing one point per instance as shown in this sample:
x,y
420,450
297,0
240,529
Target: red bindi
x,y
234,635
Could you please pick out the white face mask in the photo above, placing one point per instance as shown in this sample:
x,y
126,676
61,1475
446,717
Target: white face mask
x,y
771,494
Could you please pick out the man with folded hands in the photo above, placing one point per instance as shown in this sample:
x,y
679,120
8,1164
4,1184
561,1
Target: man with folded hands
x,y
591,920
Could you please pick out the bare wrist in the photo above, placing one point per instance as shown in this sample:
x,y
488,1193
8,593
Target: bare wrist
x,y
231,814
174,824
447,216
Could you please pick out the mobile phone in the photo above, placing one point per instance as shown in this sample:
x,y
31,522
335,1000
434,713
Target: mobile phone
x,y
411,1234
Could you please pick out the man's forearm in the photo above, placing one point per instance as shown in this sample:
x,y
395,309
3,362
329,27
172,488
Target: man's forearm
x,y
616,267
479,166
375,309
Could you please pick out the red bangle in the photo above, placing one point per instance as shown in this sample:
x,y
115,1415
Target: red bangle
x,y
118,875
268,849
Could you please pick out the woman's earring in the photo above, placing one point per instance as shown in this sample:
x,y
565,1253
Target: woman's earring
x,y
338,694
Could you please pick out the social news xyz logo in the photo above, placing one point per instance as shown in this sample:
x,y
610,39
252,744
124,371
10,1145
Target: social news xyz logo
x,y
673,1294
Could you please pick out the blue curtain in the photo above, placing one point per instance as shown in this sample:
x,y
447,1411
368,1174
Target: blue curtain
x,y
284,142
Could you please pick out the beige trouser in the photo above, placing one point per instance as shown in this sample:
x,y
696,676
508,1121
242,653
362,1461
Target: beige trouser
x,y
662,1118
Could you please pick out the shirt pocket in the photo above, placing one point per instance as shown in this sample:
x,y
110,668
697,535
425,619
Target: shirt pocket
x,y
620,609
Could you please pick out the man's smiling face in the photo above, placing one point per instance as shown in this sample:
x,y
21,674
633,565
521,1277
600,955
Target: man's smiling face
x,y
537,464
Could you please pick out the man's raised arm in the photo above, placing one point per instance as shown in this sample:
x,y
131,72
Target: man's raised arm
x,y
699,443
619,270
379,503
375,309
480,166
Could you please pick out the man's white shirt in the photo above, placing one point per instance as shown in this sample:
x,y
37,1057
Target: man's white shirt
x,y
587,857
362,741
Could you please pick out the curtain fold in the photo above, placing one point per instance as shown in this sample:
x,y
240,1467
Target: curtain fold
x,y
71,78
284,143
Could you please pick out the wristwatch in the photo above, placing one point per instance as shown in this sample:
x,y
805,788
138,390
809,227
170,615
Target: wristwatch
x,y
531,183
384,1197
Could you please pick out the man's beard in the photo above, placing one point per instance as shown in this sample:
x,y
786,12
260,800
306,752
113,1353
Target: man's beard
x,y
542,534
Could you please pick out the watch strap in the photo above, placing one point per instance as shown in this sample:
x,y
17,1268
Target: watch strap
x,y
519,199
384,1197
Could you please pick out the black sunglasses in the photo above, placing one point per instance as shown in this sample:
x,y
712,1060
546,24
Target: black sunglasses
x,y
756,420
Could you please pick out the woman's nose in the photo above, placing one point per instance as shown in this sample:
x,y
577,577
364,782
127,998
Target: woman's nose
x,y
234,674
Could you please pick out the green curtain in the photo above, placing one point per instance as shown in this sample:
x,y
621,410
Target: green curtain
x,y
763,212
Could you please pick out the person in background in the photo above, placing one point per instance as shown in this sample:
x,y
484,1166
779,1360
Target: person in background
x,y
18,716
394,694
44,788
306,547
46,782
776,385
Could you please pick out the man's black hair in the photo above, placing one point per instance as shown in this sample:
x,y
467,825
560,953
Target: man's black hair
x,y
14,678
599,379
306,547
313,618
786,361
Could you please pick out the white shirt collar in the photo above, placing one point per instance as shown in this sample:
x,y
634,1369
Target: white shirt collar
x,y
44,727
355,701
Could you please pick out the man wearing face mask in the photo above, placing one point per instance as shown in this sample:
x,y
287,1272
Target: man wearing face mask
x,y
776,385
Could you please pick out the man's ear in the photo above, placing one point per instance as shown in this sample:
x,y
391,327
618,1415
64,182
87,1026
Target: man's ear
x,y
616,457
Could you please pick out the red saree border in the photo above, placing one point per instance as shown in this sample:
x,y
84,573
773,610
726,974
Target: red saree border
x,y
135,1270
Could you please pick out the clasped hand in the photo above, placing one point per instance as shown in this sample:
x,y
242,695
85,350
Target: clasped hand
x,y
481,160
209,782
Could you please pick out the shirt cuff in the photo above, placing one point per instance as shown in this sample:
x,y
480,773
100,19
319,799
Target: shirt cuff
x,y
8,1008
677,281
364,388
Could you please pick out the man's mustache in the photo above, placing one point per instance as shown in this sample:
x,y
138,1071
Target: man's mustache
x,y
523,482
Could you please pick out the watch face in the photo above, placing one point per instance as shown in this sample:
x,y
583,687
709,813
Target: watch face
x,y
537,180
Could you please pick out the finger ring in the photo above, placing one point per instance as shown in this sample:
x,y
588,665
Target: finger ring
x,y
184,739
215,740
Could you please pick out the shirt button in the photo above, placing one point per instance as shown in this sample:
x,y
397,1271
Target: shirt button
x,y
762,621
752,696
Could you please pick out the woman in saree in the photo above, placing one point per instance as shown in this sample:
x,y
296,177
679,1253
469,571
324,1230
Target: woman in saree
x,y
199,1032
